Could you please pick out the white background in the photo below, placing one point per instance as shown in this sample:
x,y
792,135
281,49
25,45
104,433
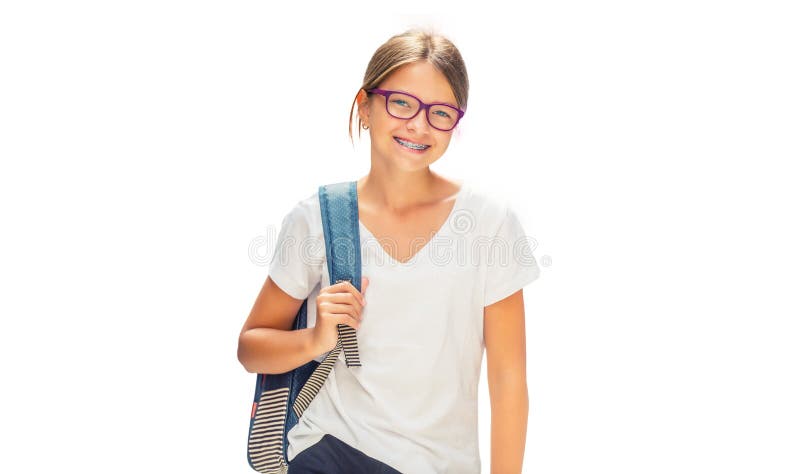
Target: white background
x,y
650,148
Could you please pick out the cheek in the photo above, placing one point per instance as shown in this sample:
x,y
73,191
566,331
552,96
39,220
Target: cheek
x,y
443,139
385,124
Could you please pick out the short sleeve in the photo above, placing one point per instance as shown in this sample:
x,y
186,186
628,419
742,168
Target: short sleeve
x,y
510,264
295,265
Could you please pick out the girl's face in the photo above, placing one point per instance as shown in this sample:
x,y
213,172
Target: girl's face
x,y
426,82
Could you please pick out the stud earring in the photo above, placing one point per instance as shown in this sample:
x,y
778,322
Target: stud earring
x,y
364,126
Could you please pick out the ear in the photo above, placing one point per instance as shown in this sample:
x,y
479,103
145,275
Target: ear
x,y
363,105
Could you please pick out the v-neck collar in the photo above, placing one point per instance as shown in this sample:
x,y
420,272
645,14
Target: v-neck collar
x,y
443,229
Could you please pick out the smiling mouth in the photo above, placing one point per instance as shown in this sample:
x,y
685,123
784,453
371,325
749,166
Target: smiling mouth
x,y
411,145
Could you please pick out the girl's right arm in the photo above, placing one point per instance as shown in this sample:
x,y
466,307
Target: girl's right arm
x,y
268,345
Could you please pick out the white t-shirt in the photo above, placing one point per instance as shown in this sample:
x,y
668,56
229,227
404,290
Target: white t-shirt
x,y
413,402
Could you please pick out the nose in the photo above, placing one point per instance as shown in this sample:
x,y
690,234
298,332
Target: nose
x,y
419,121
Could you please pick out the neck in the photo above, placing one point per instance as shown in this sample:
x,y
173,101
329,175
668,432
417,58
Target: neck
x,y
399,193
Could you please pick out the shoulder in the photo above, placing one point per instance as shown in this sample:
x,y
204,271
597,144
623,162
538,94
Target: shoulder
x,y
306,211
301,228
487,207
309,204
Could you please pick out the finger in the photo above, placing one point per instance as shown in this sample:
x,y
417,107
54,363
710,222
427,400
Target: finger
x,y
345,286
340,285
354,291
338,309
347,298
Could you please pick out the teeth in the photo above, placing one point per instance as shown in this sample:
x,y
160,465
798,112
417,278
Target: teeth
x,y
411,145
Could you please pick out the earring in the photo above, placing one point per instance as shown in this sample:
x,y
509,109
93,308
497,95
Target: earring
x,y
364,126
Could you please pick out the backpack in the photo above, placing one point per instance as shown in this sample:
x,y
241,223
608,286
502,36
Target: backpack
x,y
281,399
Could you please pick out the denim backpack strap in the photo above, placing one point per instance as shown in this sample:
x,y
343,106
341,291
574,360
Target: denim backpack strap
x,y
339,209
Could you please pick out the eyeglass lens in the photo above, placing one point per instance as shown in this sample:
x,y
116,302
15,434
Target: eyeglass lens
x,y
404,106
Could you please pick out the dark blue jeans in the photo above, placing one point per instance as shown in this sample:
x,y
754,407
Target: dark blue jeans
x,y
330,455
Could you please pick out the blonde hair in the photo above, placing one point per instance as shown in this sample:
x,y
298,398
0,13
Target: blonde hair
x,y
411,46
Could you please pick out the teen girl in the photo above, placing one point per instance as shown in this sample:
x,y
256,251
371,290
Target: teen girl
x,y
444,265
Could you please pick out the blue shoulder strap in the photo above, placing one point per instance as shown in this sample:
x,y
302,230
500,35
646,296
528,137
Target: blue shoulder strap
x,y
339,207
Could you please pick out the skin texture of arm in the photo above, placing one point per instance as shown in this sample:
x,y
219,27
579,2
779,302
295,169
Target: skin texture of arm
x,y
504,335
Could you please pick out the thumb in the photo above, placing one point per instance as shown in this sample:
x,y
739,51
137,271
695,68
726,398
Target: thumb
x,y
364,284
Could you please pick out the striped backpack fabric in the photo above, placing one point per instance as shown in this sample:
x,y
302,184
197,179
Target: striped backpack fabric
x,y
281,399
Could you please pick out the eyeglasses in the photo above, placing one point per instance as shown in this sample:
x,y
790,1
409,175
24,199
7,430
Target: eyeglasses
x,y
403,105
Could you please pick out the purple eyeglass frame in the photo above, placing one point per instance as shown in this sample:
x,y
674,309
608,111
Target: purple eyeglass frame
x,y
422,106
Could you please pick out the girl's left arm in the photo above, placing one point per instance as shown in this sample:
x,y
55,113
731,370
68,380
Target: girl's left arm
x,y
504,336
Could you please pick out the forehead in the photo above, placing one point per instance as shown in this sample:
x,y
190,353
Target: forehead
x,y
421,79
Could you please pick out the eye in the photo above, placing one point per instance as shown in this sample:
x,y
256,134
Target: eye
x,y
400,102
442,113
